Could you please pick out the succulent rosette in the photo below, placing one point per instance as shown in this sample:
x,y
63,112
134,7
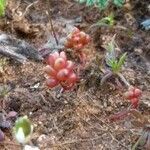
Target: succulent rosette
x,y
60,71
77,40
133,94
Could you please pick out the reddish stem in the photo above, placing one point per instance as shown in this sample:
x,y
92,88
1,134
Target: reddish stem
x,y
119,116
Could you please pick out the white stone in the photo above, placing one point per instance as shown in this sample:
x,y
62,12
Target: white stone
x,y
28,147
42,138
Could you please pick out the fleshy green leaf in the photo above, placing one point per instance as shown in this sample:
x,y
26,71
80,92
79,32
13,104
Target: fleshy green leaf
x,y
88,2
121,60
111,57
102,4
2,7
25,124
119,3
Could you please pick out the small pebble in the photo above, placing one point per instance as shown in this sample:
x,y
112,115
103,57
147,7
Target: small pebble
x,y
28,147
139,51
41,138
30,113
11,114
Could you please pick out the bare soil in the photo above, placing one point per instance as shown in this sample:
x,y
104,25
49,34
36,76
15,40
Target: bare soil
x,y
78,119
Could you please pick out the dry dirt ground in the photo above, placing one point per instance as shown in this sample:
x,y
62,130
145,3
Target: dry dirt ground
x,y
78,119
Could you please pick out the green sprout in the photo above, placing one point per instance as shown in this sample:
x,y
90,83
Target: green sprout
x,y
23,129
106,21
111,57
114,63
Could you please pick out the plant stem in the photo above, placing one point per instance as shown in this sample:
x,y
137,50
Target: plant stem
x,y
123,79
106,77
51,23
136,144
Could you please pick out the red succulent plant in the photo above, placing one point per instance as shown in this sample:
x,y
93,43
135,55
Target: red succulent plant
x,y
133,94
60,71
77,40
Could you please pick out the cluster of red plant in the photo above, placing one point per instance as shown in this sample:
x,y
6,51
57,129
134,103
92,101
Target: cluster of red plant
x,y
77,40
60,70
133,94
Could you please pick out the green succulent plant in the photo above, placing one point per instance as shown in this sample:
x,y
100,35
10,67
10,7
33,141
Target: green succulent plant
x,y
111,57
102,4
114,63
